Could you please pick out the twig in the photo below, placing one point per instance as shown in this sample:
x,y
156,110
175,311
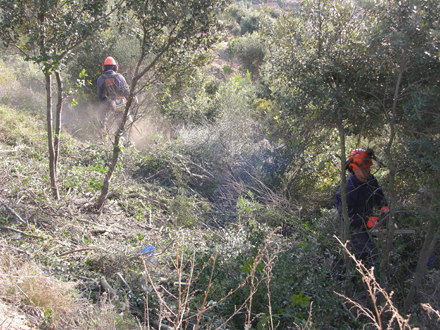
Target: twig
x,y
199,316
159,204
157,293
23,276
162,326
107,287
430,310
15,249
27,297
126,284
13,212
166,248
200,167
54,214
79,250
147,227
84,278
169,293
373,289
86,221
349,312
20,232
210,228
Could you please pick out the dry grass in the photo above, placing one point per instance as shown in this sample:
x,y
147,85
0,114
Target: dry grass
x,y
49,303
25,285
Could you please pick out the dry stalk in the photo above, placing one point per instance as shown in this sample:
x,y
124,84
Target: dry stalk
x,y
268,266
374,291
309,323
431,311
15,249
207,291
162,302
20,232
14,213
180,313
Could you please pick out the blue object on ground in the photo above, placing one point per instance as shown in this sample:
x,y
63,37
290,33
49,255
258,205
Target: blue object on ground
x,y
147,249
150,251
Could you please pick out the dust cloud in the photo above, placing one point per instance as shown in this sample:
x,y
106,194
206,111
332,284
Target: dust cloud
x,y
82,122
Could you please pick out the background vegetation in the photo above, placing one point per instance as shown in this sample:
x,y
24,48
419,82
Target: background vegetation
x,y
232,176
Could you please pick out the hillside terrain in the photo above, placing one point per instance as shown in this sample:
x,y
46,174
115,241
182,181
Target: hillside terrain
x,y
51,247
220,210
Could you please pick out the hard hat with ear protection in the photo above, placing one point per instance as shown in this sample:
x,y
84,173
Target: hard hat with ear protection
x,y
110,61
360,158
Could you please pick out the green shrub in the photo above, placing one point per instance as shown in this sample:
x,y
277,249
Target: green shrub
x,y
250,49
20,86
250,22
236,12
227,69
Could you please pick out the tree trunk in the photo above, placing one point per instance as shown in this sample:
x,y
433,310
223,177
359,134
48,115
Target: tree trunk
x,y
343,179
58,117
392,172
391,228
116,150
422,264
52,164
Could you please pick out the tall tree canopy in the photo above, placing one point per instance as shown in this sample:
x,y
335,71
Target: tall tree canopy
x,y
371,70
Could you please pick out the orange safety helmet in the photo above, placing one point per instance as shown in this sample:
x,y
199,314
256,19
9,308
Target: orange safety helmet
x,y
110,61
360,158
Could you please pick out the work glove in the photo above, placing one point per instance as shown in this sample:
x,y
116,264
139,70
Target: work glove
x,y
384,211
372,221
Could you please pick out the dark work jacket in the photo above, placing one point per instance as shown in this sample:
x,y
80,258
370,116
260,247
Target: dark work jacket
x,y
112,85
364,199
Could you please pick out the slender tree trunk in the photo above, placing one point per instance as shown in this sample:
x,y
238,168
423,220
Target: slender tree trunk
x,y
431,239
116,149
58,117
52,165
115,158
422,264
46,71
392,177
343,179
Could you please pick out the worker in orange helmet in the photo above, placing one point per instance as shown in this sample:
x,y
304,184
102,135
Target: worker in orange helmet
x,y
113,90
365,200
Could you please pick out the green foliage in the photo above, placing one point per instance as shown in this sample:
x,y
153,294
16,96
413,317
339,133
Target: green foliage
x,y
18,87
18,130
227,69
301,300
248,19
177,34
253,156
199,103
188,210
249,49
236,12
248,266
249,23
52,29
